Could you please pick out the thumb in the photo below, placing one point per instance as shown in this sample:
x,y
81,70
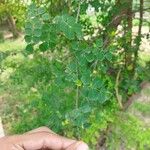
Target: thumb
x,y
78,146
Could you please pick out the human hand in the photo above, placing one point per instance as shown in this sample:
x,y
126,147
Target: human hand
x,y
40,139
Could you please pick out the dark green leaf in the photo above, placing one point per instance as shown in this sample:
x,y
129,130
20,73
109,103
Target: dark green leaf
x,y
29,48
44,37
28,38
44,47
45,27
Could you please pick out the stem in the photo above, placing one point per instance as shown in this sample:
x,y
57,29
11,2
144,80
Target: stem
x,y
78,11
77,90
118,96
77,97
77,69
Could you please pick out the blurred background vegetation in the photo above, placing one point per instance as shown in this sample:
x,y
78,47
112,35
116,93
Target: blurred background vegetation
x,y
79,67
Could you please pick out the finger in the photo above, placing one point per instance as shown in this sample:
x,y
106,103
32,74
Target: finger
x,y
41,140
17,147
40,129
78,146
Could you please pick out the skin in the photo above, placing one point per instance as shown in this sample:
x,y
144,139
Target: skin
x,y
40,139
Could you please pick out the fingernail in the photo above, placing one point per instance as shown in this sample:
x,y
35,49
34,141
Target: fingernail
x,y
82,146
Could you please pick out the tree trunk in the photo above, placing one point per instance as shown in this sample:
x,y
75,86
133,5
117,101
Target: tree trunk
x,y
138,38
12,25
128,35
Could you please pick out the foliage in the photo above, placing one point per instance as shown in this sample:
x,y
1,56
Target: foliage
x,y
67,77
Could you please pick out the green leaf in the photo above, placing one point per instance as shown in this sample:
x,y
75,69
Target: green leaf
x,y
52,37
97,83
86,79
36,39
85,91
28,31
67,24
52,45
28,38
86,109
32,11
71,67
45,17
102,97
82,61
93,95
32,7
75,45
100,55
99,42
29,48
78,30
35,22
28,25
37,32
38,26
102,68
90,57
69,33
44,47
44,37
41,10
45,27
72,77
31,14
108,56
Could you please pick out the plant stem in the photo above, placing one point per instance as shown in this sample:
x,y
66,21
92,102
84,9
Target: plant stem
x,y
78,12
118,96
77,69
